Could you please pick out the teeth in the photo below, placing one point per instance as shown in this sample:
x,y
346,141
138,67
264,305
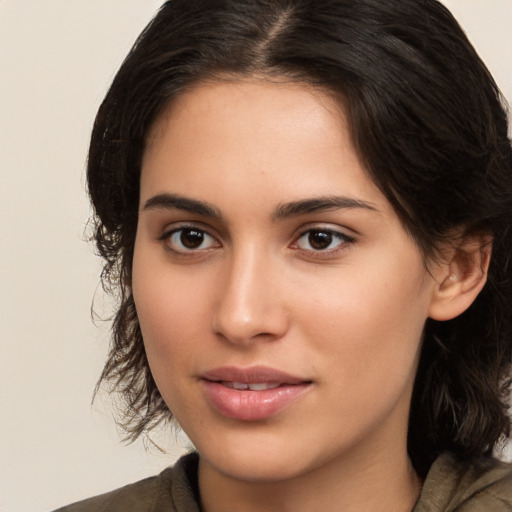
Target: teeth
x,y
240,386
256,386
262,386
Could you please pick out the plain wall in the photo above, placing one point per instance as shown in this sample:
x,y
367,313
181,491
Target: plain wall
x,y
57,58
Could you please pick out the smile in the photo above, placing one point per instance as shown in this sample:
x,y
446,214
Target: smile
x,y
257,386
252,394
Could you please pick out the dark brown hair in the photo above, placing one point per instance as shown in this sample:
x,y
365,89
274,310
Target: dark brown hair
x,y
428,122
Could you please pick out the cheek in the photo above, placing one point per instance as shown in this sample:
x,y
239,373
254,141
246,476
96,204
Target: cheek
x,y
170,314
359,303
368,324
171,323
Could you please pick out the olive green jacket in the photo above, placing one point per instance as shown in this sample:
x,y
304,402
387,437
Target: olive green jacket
x,y
484,486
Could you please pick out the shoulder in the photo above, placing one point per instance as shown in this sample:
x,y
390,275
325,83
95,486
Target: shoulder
x,y
173,490
481,485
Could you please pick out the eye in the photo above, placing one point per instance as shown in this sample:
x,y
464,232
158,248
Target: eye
x,y
189,239
319,240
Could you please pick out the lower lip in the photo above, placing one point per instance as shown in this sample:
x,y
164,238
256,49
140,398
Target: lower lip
x,y
250,405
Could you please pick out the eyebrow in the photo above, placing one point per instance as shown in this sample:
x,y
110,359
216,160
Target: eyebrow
x,y
320,204
177,202
282,211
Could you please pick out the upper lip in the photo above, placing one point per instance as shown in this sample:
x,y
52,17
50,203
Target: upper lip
x,y
251,375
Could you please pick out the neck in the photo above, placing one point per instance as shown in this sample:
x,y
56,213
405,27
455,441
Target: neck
x,y
375,483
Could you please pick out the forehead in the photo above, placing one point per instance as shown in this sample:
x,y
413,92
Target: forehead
x,y
226,99
282,141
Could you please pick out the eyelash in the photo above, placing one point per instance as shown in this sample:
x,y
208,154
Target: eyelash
x,y
168,235
344,242
332,234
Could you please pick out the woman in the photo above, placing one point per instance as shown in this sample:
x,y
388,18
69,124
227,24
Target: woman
x,y
307,209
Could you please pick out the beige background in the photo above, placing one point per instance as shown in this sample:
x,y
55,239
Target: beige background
x,y
56,60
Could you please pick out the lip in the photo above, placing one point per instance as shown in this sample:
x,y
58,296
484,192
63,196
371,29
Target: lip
x,y
249,405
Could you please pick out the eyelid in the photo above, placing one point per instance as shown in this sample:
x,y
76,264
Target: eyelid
x,y
176,226
346,242
171,229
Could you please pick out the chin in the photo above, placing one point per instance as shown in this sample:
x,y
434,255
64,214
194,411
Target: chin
x,y
266,468
262,458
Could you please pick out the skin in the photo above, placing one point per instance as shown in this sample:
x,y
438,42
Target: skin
x,y
348,318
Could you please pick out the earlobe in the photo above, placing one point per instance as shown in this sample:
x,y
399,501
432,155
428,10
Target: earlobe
x,y
461,278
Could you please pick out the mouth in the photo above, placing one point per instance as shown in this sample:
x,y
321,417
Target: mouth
x,y
252,394
253,386
254,375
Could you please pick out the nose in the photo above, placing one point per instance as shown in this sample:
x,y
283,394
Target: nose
x,y
249,304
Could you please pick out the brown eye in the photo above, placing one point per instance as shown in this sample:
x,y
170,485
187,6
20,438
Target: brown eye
x,y
319,240
191,239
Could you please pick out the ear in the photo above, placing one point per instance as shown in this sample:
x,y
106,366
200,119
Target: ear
x,y
461,276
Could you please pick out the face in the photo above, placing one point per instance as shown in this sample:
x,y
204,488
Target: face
x,y
280,299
